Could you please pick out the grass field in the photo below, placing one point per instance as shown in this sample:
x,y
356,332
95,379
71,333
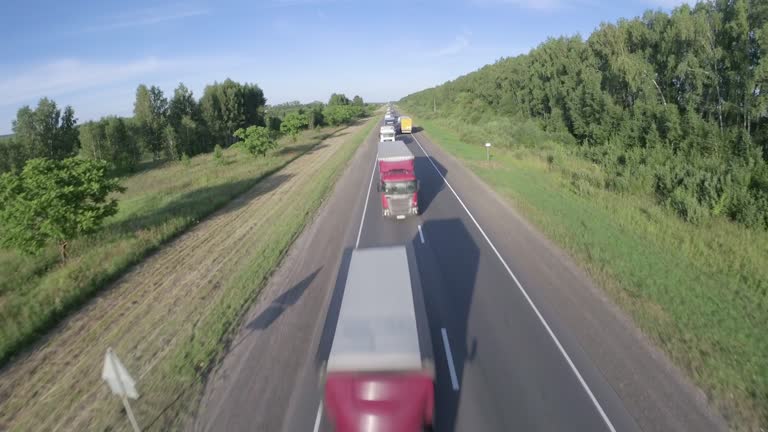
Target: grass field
x,y
36,292
700,292
168,317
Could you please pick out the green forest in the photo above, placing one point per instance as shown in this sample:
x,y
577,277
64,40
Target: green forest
x,y
163,128
669,104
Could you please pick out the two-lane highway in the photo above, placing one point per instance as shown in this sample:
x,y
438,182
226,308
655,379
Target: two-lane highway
x,y
522,339
497,366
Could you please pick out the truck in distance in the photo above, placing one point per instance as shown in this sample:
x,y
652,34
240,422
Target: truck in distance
x,y
397,185
387,133
380,371
405,124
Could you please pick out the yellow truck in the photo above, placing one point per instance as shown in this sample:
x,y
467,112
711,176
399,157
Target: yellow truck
x,y
406,125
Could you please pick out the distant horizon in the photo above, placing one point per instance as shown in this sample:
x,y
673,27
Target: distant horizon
x,y
293,49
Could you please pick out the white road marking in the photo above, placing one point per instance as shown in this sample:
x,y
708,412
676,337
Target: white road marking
x,y
421,235
365,207
319,416
451,368
527,297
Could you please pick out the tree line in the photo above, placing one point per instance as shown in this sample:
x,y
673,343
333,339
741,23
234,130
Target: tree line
x,y
291,117
162,127
57,178
673,104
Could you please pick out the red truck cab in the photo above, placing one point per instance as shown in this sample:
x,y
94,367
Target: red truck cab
x,y
380,402
398,185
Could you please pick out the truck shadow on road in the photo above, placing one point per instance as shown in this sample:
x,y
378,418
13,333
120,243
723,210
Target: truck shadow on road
x,y
276,308
429,184
281,303
448,263
332,314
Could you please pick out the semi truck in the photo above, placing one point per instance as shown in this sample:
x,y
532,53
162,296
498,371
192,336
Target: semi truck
x,y
397,185
380,370
387,133
405,124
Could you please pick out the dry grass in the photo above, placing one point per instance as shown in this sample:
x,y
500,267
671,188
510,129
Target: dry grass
x,y
37,292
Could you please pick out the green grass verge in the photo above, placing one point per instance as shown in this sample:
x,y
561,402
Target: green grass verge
x,y
36,292
700,292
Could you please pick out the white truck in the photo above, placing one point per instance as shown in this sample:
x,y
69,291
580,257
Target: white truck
x,y
380,369
387,133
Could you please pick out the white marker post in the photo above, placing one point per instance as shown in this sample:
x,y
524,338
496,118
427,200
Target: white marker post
x,y
121,383
488,152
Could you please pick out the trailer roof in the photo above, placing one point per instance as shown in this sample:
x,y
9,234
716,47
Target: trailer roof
x,y
394,151
377,329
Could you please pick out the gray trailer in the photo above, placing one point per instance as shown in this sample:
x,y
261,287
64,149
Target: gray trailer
x,y
381,361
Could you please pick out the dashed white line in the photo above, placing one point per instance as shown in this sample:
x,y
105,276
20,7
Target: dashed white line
x,y
527,298
449,356
319,416
421,235
365,207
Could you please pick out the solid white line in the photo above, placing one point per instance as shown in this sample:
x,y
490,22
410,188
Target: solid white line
x,y
421,235
527,297
451,368
365,207
319,416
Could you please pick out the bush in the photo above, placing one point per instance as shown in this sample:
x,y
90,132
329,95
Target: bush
x,y
218,155
336,115
550,161
293,123
256,140
686,206
54,200
618,182
580,185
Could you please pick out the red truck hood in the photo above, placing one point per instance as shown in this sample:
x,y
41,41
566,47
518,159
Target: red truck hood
x,y
379,402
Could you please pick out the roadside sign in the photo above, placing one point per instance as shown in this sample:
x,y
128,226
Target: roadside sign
x,y
115,374
121,383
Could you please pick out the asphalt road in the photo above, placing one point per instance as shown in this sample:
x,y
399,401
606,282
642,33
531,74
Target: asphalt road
x,y
533,344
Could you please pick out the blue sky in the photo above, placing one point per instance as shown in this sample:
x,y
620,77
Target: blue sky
x,y
93,54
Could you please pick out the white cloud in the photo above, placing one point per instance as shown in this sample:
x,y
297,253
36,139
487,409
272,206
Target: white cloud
x,y
299,3
65,76
95,89
458,45
540,5
144,17
668,4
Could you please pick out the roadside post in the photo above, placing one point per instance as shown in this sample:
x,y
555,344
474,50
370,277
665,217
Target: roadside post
x,y
488,152
121,383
